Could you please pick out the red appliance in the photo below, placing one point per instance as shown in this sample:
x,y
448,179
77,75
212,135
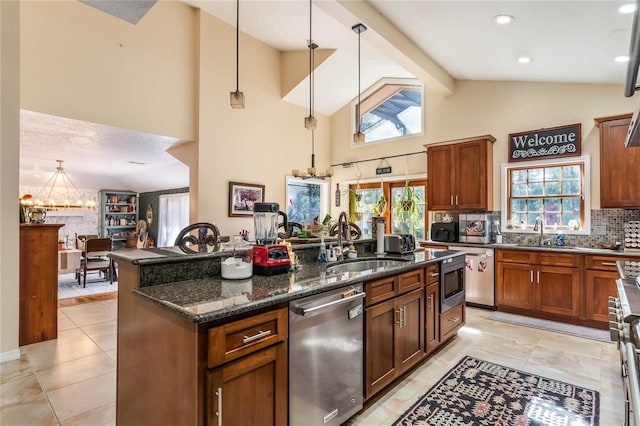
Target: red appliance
x,y
270,260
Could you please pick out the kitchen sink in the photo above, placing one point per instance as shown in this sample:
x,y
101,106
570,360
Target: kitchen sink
x,y
365,265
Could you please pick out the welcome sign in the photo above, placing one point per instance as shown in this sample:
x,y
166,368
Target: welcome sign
x,y
563,141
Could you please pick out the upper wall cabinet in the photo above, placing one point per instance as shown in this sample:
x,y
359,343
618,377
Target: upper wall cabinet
x,y
460,174
619,166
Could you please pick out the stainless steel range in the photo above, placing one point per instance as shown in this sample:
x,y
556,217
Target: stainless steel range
x,y
624,327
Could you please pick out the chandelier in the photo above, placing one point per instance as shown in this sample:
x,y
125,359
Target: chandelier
x,y
310,122
59,191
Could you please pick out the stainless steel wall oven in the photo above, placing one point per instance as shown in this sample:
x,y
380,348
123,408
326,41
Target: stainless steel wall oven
x,y
452,291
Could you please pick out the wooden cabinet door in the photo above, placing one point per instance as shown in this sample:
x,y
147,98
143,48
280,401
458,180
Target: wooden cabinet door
x,y
440,169
599,285
410,336
380,352
619,166
432,317
471,176
514,285
558,290
251,390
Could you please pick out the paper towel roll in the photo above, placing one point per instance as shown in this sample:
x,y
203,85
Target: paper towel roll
x,y
380,238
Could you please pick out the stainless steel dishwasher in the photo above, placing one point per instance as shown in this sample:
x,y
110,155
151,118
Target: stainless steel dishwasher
x,y
326,350
479,276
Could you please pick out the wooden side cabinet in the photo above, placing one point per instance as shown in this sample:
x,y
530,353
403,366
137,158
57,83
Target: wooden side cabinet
x,y
600,283
461,174
38,319
619,166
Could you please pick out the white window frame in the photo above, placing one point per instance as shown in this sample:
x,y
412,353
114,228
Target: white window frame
x,y
372,89
586,163
324,193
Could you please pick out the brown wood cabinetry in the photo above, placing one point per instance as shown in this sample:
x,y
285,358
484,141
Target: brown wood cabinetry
x,y
461,174
432,320
547,283
600,283
619,166
252,388
432,307
394,328
38,283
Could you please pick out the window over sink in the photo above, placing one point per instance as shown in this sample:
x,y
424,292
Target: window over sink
x,y
555,190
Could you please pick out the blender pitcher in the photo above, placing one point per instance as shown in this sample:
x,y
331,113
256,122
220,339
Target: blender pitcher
x,y
265,222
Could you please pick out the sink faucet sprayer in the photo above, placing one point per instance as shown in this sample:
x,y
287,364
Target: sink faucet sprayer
x,y
539,226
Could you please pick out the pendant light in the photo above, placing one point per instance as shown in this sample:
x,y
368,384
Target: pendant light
x,y
237,98
310,122
358,136
58,192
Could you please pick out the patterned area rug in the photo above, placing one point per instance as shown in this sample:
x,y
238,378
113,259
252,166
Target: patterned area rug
x,y
68,286
477,392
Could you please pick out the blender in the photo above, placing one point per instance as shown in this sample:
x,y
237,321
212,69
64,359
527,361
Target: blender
x,y
269,258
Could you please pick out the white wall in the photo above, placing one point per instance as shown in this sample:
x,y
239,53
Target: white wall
x,y
9,210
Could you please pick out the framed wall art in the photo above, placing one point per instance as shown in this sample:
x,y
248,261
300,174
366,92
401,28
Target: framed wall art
x,y
242,197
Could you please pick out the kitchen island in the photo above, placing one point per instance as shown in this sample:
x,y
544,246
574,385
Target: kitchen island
x,y
181,330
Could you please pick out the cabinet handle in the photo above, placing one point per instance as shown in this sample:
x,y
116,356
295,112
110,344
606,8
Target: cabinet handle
x,y
430,302
456,200
219,412
398,321
434,274
531,280
451,200
455,320
257,336
607,264
538,273
403,316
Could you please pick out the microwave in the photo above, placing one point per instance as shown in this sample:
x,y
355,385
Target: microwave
x,y
476,228
446,232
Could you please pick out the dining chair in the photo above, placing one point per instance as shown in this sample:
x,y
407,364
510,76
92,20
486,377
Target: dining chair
x,y
95,259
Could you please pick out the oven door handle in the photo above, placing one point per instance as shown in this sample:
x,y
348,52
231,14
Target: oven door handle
x,y
634,384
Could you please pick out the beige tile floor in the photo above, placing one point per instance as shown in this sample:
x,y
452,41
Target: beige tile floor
x,y
71,380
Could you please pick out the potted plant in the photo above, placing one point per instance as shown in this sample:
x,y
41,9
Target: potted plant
x,y
406,209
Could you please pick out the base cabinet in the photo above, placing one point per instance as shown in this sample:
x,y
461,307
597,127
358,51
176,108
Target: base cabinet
x,y
250,391
432,317
537,287
394,339
600,283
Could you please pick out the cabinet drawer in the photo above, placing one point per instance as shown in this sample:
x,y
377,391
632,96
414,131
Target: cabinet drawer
x,y
605,263
554,258
242,337
515,256
450,320
380,290
410,280
432,273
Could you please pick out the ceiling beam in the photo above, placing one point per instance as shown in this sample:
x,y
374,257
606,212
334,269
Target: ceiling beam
x,y
392,41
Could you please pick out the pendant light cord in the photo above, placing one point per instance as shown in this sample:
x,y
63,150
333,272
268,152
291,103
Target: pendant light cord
x,y
310,60
359,85
237,46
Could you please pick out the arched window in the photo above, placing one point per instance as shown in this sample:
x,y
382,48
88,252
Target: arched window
x,y
390,109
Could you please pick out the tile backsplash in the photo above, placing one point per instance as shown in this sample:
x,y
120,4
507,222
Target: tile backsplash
x,y
607,226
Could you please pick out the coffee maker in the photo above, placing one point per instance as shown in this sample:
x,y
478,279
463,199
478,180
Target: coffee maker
x,y
269,258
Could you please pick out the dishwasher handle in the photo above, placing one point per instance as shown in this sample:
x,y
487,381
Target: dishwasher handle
x,y
300,310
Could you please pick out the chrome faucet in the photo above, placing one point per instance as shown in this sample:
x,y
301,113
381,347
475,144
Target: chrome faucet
x,y
342,221
539,226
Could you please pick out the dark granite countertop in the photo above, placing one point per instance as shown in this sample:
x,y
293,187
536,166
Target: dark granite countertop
x,y
214,298
563,249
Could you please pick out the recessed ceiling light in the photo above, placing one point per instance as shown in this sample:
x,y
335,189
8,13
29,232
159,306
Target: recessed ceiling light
x,y
504,19
621,58
627,8
139,163
524,59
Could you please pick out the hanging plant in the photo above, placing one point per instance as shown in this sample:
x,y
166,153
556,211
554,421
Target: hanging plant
x,y
406,209
382,201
